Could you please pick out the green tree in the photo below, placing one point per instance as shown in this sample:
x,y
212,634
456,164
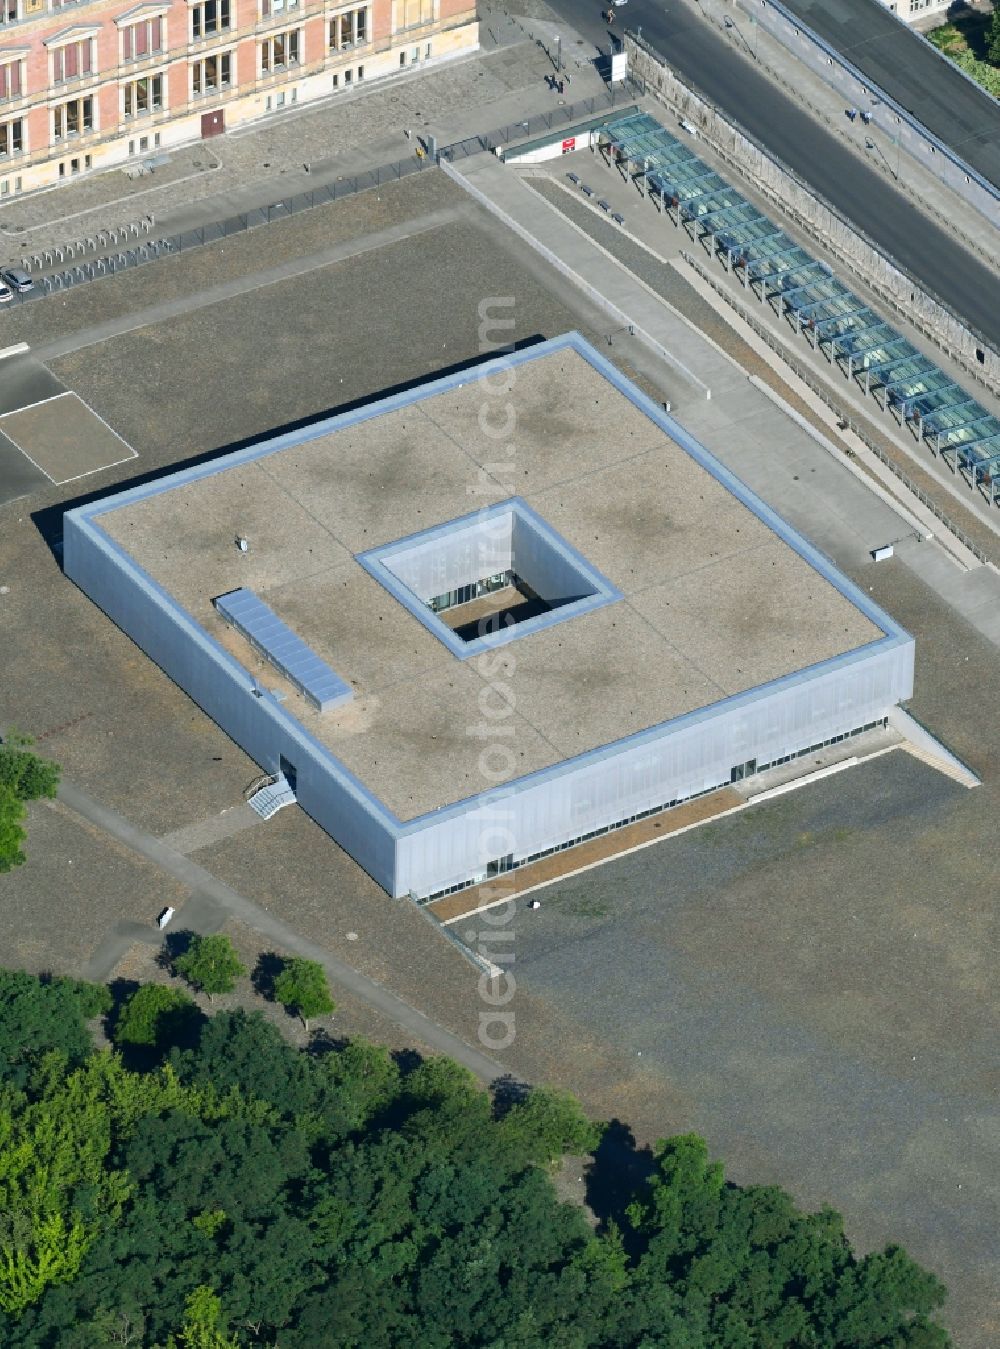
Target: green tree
x,y
210,964
993,36
746,1267
548,1124
57,1188
12,835
302,988
40,1015
237,1051
339,1198
443,1110
23,777
203,1327
155,1014
353,1084
25,773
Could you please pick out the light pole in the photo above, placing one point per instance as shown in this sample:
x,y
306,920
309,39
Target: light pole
x,y
870,145
731,23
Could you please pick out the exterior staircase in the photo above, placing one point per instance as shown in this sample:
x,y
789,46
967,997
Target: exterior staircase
x,y
270,798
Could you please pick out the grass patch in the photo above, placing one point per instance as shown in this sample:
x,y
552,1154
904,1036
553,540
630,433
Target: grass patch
x,y
585,906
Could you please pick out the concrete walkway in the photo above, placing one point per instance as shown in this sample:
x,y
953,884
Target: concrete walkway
x,y
622,295
212,902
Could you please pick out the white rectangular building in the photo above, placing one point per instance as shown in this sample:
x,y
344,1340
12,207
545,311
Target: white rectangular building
x,y
480,620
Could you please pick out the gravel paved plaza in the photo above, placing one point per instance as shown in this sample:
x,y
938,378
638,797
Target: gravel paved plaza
x,y
812,983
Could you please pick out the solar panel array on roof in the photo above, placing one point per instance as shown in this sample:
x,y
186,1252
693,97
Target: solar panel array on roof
x,y
784,275
287,652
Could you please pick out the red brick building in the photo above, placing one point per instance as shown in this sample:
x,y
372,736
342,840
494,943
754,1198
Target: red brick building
x,y
86,85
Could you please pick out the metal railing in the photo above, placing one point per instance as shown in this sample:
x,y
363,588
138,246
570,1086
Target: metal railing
x,y
121,248
136,250
832,55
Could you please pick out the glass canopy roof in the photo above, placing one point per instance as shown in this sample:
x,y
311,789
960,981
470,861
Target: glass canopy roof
x,y
859,340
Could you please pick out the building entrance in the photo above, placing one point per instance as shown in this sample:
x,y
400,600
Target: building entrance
x,y
743,770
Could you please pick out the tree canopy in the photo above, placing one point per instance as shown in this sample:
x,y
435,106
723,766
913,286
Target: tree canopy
x,y
239,1192
154,1015
23,777
37,1015
210,964
993,36
302,988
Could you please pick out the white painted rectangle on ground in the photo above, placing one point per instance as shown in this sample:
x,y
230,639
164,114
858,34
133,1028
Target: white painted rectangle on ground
x,y
65,438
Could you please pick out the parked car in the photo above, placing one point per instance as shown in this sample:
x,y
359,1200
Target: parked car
x,y
618,3
6,294
16,277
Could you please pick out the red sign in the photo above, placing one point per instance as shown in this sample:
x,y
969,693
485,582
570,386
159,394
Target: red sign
x,y
569,145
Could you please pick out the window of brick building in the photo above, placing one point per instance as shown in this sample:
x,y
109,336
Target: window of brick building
x,y
281,51
212,74
72,61
73,118
142,39
143,96
211,16
349,29
11,84
10,11
11,138
270,9
411,13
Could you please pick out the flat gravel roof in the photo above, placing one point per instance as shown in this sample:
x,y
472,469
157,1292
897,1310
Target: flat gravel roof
x,y
714,601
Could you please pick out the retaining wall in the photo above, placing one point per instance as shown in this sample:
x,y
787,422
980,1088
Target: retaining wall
x,y
899,291
892,119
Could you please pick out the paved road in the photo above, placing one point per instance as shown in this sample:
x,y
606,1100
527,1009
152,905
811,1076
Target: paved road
x,y
936,92
707,61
